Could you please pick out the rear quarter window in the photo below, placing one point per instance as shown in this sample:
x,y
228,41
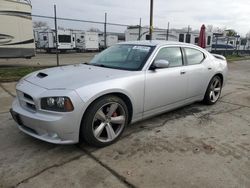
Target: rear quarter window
x,y
194,56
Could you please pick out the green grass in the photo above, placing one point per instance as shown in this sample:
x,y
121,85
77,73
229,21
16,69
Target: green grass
x,y
231,58
9,74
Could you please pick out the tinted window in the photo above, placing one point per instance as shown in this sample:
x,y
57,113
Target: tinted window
x,y
172,55
181,38
64,38
193,56
188,38
208,40
196,40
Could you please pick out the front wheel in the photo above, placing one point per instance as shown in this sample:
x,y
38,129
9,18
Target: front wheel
x,y
213,91
104,121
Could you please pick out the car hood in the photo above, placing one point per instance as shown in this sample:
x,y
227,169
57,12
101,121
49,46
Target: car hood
x,y
73,76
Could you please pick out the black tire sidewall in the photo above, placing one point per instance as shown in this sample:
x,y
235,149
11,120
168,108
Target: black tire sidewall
x,y
207,99
86,133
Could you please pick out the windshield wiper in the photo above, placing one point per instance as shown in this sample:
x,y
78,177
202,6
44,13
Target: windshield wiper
x,y
101,65
85,63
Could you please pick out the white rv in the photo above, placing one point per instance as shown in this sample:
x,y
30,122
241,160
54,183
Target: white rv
x,y
47,40
86,41
66,40
16,34
110,40
132,33
181,35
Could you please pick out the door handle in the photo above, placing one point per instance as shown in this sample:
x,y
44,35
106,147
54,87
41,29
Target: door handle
x,y
209,68
183,72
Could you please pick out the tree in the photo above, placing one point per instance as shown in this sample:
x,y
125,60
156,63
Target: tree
x,y
248,35
40,24
209,28
60,28
219,29
231,32
93,29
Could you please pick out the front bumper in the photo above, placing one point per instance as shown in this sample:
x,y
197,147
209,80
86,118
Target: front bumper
x,y
53,127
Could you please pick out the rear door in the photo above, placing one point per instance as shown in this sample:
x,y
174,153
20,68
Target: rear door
x,y
198,71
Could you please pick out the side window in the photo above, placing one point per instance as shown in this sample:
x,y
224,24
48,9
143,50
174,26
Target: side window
x,y
172,54
208,40
194,56
196,40
188,38
181,37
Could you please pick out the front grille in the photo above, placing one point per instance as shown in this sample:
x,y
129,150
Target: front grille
x,y
25,95
32,106
28,129
26,101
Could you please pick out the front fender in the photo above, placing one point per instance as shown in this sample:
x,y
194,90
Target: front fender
x,y
132,87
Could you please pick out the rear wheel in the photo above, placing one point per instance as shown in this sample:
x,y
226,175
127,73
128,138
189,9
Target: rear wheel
x,y
213,91
104,121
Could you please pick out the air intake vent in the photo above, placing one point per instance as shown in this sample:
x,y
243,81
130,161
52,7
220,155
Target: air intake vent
x,y
41,75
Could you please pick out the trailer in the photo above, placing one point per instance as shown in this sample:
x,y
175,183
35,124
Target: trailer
x,y
86,41
135,33
16,35
110,40
47,40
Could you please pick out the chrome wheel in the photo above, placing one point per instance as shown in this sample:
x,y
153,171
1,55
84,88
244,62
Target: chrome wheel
x,y
215,90
108,122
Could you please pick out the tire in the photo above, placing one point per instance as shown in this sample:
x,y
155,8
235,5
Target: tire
x,y
104,121
213,91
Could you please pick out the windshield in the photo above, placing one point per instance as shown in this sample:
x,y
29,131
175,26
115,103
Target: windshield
x,y
123,56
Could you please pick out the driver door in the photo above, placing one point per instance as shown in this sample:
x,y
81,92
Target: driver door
x,y
166,86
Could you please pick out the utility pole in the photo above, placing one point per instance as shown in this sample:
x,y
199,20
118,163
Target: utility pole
x,y
105,31
139,34
151,19
167,32
56,38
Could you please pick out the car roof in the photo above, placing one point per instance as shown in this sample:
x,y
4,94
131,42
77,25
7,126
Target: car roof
x,y
157,43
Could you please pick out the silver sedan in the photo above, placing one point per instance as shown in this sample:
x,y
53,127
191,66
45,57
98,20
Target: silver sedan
x,y
123,84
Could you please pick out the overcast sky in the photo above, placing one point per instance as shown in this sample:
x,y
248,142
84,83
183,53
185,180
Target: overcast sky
x,y
232,14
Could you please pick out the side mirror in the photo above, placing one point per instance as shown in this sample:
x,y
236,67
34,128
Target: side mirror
x,y
159,64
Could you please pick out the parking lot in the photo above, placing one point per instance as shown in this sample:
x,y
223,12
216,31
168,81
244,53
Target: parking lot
x,y
195,146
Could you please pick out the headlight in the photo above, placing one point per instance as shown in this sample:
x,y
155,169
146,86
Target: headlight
x,y
59,104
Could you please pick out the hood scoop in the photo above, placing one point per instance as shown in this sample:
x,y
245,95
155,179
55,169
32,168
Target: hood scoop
x,y
41,75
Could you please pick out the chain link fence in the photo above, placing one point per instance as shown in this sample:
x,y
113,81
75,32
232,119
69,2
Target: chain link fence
x,y
109,33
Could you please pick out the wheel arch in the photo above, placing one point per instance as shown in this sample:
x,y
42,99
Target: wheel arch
x,y
221,77
119,94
